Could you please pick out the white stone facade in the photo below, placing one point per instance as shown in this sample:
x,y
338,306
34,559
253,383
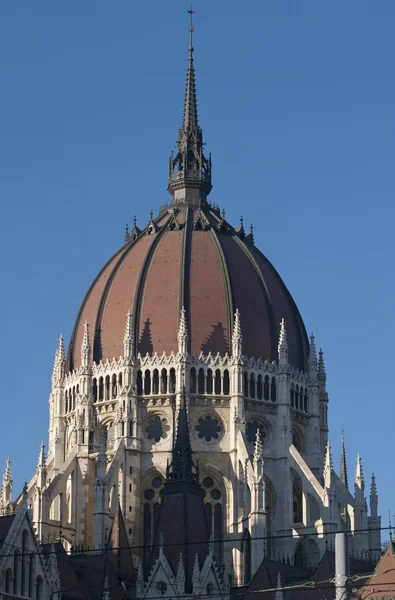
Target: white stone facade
x,y
259,431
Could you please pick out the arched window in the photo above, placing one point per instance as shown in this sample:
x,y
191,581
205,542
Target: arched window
x,y
193,381
114,386
147,382
246,551
259,387
73,397
8,581
266,388
252,385
66,402
155,382
139,383
209,384
172,381
31,574
39,588
305,401
217,383
292,395
297,397
226,383
151,499
245,386
94,389
214,499
131,428
24,563
101,389
297,502
201,381
307,554
107,387
163,381
17,559
273,390
218,533
120,380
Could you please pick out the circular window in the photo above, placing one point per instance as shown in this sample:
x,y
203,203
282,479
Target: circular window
x,y
208,482
157,428
208,428
252,428
215,494
149,494
157,482
161,587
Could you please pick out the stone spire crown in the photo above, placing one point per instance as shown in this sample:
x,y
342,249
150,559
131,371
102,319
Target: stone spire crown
x,y
237,337
190,170
183,333
328,467
279,592
283,344
343,463
41,459
312,361
85,346
359,477
321,367
59,362
128,338
7,477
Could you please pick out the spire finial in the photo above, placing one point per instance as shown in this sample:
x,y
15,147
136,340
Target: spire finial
x,y
343,462
359,477
312,361
59,363
41,458
189,169
128,338
283,344
328,466
321,367
183,333
237,338
190,49
85,346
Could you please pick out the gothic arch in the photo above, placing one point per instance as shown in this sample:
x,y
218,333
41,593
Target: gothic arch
x,y
307,553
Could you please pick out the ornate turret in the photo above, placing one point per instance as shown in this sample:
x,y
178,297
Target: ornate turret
x,y
283,345
41,468
59,363
237,337
328,467
374,498
128,338
183,334
7,484
85,347
343,463
312,359
189,169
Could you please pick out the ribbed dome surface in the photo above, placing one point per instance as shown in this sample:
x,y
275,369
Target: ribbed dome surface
x,y
197,260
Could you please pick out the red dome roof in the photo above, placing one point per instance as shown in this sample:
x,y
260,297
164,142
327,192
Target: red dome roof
x,y
196,260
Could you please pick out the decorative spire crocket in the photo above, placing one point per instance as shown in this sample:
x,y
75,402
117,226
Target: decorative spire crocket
x,y
189,169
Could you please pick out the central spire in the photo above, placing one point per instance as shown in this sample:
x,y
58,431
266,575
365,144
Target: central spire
x,y
190,170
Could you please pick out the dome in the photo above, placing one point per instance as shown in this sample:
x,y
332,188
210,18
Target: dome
x,y
190,257
193,259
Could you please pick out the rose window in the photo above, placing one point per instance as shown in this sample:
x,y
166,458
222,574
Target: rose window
x,y
252,428
208,428
157,428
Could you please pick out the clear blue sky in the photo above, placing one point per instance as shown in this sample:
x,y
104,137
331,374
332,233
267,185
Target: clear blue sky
x,y
296,100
